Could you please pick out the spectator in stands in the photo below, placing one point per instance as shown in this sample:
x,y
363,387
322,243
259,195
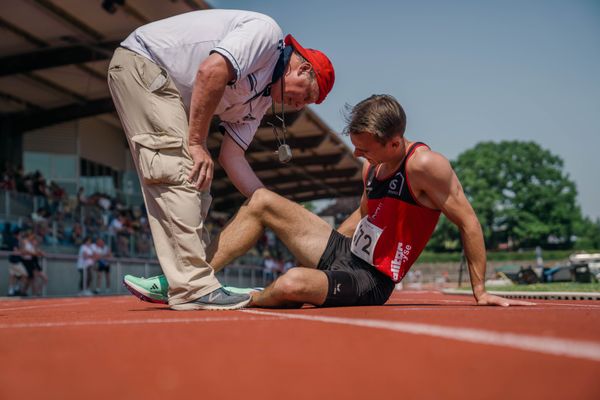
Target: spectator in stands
x,y
76,236
271,240
85,261
30,254
82,201
143,239
270,268
121,231
41,225
8,179
40,215
17,274
117,225
61,235
104,202
101,255
20,180
39,188
40,219
93,225
289,264
57,196
261,244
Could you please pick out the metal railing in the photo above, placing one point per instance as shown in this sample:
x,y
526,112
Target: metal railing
x,y
16,204
63,276
17,208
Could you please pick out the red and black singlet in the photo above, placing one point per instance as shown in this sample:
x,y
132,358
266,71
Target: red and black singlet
x,y
396,229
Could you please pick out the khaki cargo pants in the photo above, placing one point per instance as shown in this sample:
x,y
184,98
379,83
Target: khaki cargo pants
x,y
156,125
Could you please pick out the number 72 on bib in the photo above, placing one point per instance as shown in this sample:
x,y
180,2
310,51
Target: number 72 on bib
x,y
365,239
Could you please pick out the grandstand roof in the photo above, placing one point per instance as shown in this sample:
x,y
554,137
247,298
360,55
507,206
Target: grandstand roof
x,y
54,56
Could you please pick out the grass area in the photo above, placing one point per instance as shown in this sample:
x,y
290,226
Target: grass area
x,y
526,256
545,287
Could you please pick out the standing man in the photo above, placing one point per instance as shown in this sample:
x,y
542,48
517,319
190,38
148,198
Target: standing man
x,y
406,188
17,274
101,255
85,264
168,79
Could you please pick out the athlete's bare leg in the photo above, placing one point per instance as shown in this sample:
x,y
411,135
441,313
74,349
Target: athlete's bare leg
x,y
304,234
297,286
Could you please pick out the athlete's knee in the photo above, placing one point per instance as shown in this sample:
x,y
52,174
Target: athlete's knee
x,y
260,200
292,285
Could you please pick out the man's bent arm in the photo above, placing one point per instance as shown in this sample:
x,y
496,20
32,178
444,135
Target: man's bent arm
x,y
474,247
235,164
441,185
211,79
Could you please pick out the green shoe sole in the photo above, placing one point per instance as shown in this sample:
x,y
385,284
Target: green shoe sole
x,y
133,284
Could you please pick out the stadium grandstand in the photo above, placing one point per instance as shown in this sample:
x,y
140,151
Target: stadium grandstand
x,y
66,170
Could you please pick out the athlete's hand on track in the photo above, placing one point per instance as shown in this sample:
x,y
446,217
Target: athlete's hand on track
x,y
487,299
202,172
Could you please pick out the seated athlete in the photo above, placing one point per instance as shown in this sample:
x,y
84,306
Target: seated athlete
x,y
406,187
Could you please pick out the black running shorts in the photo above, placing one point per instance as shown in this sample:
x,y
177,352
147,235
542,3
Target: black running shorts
x,y
352,281
31,266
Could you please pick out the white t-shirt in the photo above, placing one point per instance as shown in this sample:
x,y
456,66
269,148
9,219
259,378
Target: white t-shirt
x,y
252,42
28,250
270,264
101,252
115,226
86,256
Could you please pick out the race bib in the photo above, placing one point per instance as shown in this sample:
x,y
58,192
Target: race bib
x,y
365,239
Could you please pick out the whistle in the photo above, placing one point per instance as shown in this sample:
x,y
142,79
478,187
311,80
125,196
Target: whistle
x,y
284,152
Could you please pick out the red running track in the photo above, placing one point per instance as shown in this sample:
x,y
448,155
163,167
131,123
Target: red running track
x,y
420,345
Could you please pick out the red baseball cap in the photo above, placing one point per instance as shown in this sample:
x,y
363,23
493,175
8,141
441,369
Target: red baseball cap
x,y
321,65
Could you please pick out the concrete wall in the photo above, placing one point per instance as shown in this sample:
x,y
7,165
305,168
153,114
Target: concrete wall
x,y
98,141
103,143
58,139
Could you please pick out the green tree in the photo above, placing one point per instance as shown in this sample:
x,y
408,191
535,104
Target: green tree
x,y
445,238
520,193
588,234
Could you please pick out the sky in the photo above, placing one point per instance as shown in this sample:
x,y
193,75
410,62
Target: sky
x,y
465,71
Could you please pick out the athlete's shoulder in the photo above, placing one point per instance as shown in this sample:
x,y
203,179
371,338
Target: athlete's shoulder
x,y
426,162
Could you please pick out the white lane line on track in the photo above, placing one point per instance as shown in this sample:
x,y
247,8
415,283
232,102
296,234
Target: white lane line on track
x,y
446,308
424,301
537,301
541,344
45,305
544,303
432,307
134,322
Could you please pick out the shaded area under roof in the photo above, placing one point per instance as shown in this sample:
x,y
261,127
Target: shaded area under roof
x,y
54,56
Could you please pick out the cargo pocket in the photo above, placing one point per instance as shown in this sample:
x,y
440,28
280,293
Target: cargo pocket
x,y
160,158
